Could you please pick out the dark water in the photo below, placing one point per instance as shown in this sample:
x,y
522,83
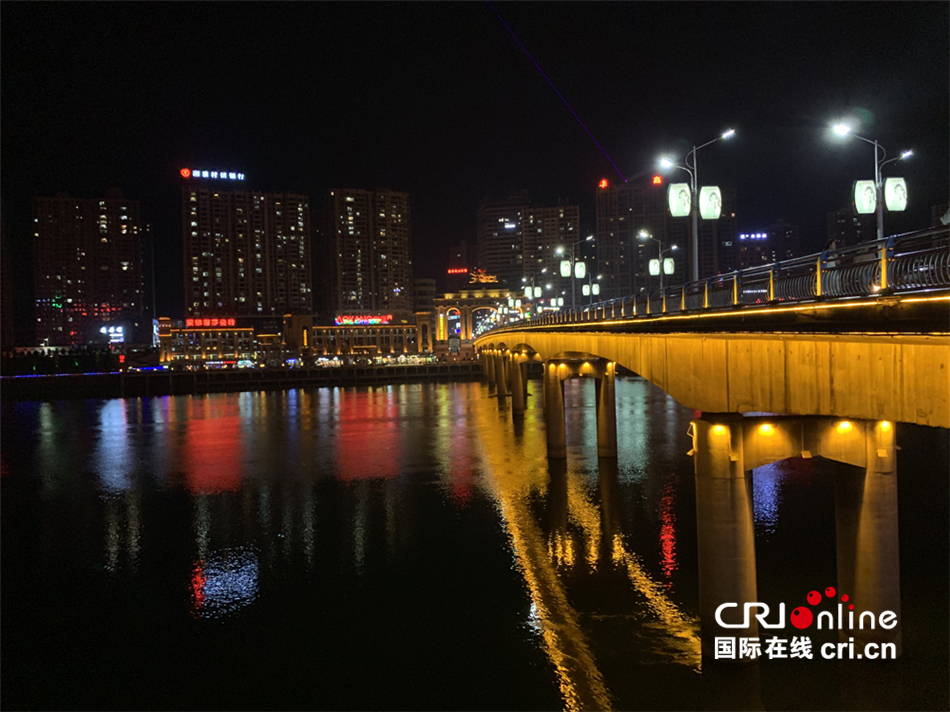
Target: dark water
x,y
409,547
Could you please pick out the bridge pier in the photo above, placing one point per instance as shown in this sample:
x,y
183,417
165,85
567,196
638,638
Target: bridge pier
x,y
554,426
501,385
555,372
517,384
724,528
868,553
488,359
726,448
606,391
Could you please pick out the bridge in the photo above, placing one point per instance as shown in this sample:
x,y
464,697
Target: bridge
x,y
816,356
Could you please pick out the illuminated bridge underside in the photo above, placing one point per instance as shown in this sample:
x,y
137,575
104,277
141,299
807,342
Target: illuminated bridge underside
x,y
903,378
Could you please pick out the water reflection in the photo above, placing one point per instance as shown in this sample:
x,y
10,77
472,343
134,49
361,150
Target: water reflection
x,y
225,582
369,507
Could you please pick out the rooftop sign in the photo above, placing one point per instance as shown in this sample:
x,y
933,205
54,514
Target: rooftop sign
x,y
217,175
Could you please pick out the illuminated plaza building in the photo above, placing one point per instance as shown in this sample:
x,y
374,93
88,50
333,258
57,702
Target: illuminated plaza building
x,y
246,252
89,279
369,254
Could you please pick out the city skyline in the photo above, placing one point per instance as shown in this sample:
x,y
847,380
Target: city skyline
x,y
450,77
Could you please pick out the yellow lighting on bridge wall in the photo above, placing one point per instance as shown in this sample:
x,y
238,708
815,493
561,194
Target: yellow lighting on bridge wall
x,y
719,429
844,426
766,429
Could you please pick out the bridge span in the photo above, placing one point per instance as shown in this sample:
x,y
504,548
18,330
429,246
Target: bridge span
x,y
817,336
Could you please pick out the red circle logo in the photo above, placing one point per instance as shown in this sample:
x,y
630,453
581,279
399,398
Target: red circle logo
x,y
186,173
802,617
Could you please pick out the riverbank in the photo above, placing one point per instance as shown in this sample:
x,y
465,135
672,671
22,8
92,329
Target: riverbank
x,y
164,383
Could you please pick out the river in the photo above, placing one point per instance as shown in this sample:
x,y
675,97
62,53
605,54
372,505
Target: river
x,y
410,547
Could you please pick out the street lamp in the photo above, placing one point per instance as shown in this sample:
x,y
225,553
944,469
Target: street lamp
x,y
879,163
532,291
573,266
644,235
690,168
591,289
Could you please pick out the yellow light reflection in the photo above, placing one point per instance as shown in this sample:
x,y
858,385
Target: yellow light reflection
x,y
683,629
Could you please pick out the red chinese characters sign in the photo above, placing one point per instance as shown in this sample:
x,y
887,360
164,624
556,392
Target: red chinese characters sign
x,y
197,323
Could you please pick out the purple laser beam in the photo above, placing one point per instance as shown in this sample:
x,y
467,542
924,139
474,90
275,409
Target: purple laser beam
x,y
556,91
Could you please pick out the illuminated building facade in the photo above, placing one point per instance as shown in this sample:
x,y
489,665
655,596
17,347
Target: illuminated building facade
x,y
518,239
369,250
200,340
374,340
246,252
89,270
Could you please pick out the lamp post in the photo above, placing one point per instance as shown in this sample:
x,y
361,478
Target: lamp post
x,y
644,235
690,168
573,268
591,289
879,163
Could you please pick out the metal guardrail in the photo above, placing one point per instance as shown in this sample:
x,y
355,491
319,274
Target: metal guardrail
x,y
912,262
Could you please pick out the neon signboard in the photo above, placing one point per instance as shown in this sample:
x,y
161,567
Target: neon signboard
x,y
193,323
603,184
347,320
218,175
458,270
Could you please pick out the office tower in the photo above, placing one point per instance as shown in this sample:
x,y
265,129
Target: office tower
x,y
246,252
370,252
89,271
518,239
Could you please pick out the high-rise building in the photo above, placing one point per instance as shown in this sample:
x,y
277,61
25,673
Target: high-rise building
x,y
89,271
845,228
246,252
626,209
370,252
777,243
518,239
622,256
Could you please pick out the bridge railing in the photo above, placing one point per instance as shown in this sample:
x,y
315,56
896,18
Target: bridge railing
x,y
917,261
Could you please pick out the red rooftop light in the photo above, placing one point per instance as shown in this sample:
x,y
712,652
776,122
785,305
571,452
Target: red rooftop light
x,y
186,173
603,183
657,180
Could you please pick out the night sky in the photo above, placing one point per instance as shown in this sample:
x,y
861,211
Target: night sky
x,y
439,100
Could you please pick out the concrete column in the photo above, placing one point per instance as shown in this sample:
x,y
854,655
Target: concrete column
x,y
490,371
605,389
867,538
501,388
554,412
724,527
517,384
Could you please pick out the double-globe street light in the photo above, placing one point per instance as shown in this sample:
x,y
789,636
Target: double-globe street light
x,y
592,288
879,163
572,266
690,168
644,235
